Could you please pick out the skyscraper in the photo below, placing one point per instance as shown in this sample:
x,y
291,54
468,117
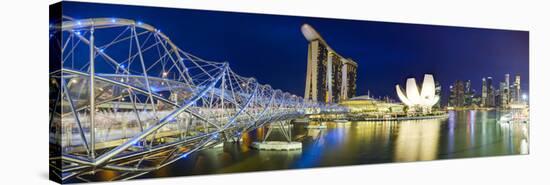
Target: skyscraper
x,y
502,97
507,79
505,91
452,96
468,93
437,93
457,97
516,90
484,93
490,93
330,77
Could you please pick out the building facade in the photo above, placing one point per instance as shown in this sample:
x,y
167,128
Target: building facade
x,y
505,92
490,101
516,90
330,77
483,93
437,93
469,93
367,104
458,96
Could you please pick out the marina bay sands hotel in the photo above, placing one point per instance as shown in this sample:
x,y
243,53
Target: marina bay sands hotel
x,y
330,76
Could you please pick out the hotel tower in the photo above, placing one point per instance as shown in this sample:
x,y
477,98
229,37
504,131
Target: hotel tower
x,y
330,76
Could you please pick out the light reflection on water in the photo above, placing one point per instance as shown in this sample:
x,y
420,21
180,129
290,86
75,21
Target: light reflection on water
x,y
463,134
417,141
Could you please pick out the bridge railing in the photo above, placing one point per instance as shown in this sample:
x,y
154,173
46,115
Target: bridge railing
x,y
174,103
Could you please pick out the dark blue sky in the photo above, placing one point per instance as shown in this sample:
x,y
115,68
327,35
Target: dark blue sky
x,y
273,50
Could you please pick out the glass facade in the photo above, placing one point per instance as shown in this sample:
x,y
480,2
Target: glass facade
x,y
333,83
351,78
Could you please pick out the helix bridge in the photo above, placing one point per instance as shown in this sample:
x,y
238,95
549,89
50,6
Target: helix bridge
x,y
126,98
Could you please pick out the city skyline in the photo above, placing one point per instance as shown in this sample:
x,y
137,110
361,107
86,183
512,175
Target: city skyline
x,y
493,93
135,93
263,46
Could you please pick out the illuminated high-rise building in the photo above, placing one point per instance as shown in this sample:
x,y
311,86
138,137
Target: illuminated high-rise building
x,y
330,76
438,94
484,93
457,97
468,93
516,90
490,102
504,95
452,96
505,92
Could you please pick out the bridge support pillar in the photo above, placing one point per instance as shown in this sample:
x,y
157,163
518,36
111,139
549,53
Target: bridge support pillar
x,y
320,125
285,128
235,139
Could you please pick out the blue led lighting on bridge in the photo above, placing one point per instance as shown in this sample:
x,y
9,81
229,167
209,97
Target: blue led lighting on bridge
x,y
201,91
154,89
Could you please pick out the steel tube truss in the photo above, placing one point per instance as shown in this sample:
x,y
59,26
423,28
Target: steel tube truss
x,y
131,101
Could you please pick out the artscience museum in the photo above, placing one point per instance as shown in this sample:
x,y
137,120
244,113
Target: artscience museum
x,y
419,99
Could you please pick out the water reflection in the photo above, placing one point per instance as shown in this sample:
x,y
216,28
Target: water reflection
x,y
462,134
417,140
516,137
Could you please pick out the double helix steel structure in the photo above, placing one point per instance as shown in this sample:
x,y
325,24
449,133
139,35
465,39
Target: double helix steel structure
x,y
125,98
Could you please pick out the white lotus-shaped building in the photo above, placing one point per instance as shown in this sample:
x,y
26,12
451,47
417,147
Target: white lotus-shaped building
x,y
424,98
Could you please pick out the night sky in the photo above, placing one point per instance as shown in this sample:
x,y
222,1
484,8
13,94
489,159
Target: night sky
x,y
273,50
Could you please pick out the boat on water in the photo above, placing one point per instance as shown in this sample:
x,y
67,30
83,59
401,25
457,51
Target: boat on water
x,y
320,125
505,119
315,126
513,118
